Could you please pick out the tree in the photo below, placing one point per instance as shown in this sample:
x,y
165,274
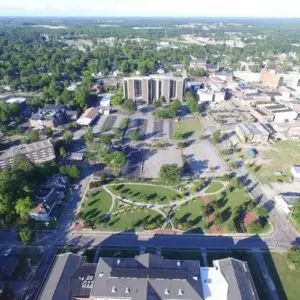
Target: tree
x,y
192,102
106,139
32,136
170,173
158,103
23,207
89,136
177,135
25,235
71,171
68,137
130,106
62,152
134,135
48,132
117,98
216,136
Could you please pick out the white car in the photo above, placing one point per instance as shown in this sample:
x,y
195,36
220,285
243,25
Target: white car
x,y
7,252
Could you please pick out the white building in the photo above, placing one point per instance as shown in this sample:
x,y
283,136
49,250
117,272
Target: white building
x,y
285,202
247,76
106,100
205,96
224,280
17,100
295,170
88,116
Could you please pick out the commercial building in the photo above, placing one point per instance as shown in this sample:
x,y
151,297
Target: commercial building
x,y
278,113
252,132
146,276
52,116
269,78
89,115
151,88
38,152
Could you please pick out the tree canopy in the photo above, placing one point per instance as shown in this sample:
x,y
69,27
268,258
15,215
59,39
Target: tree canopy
x,y
170,173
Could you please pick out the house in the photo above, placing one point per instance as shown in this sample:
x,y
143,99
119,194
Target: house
x,y
147,276
37,152
230,279
252,132
51,194
89,115
8,266
105,100
295,170
52,115
285,201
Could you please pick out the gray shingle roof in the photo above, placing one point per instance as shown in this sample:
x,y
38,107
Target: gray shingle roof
x,y
238,276
57,286
147,276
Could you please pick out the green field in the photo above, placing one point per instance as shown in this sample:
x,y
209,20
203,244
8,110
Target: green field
x,y
188,127
214,187
280,157
286,280
95,207
190,214
135,218
145,193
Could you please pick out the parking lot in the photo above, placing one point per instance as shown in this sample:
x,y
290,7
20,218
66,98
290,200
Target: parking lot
x,y
154,159
203,159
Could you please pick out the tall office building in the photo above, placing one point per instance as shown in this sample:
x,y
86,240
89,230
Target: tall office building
x,y
151,88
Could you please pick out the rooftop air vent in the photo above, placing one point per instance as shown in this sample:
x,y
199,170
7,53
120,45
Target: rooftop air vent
x,y
167,292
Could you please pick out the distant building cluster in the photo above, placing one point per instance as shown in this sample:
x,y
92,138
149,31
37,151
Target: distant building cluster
x,y
147,276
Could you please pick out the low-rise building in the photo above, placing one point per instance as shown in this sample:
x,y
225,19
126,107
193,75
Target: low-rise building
x,y
228,279
52,116
285,202
146,276
278,113
89,115
49,196
105,100
269,78
252,132
295,170
38,153
247,77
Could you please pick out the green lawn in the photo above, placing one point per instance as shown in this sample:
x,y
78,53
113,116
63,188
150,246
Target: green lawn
x,y
233,199
287,281
188,127
190,213
280,157
214,187
145,193
135,218
97,206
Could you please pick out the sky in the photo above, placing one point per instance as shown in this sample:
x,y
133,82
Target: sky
x,y
173,8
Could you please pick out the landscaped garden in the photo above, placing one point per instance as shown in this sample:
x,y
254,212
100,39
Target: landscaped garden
x,y
96,207
217,208
145,193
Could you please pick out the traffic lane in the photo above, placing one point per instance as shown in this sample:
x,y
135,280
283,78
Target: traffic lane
x,y
181,241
